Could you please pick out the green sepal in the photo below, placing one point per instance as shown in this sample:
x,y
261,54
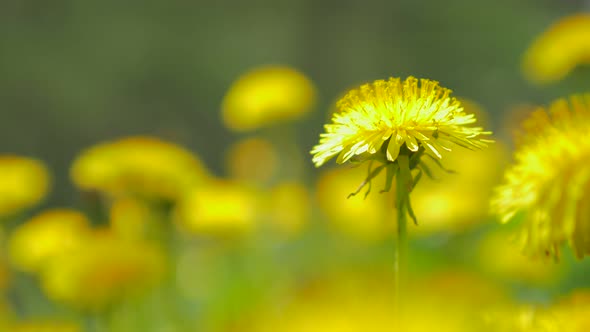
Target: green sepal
x,y
370,176
440,165
391,170
405,185
411,211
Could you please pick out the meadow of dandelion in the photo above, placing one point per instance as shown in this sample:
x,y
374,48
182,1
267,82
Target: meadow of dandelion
x,y
295,166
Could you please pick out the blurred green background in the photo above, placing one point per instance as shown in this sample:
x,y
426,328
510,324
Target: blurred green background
x,y
73,73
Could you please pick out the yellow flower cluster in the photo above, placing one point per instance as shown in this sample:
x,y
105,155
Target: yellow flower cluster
x,y
232,208
104,270
81,266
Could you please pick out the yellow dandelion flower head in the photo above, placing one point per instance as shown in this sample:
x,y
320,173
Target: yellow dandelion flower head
x,y
549,182
46,235
106,269
138,165
383,116
265,96
23,183
220,207
557,51
254,160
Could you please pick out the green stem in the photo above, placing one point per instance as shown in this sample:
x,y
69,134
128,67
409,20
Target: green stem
x,y
403,185
400,251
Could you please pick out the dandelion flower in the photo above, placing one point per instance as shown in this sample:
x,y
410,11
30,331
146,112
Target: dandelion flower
x,y
265,96
560,49
380,119
219,207
138,165
47,234
106,269
23,183
395,123
549,183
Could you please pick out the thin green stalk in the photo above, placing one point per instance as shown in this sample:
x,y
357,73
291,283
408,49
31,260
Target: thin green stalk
x,y
403,187
400,252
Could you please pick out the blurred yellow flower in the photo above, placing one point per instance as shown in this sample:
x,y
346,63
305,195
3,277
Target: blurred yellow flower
x,y
367,219
288,206
549,182
129,218
376,120
265,96
220,207
49,233
497,257
106,269
23,183
253,160
44,326
459,201
138,165
557,51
